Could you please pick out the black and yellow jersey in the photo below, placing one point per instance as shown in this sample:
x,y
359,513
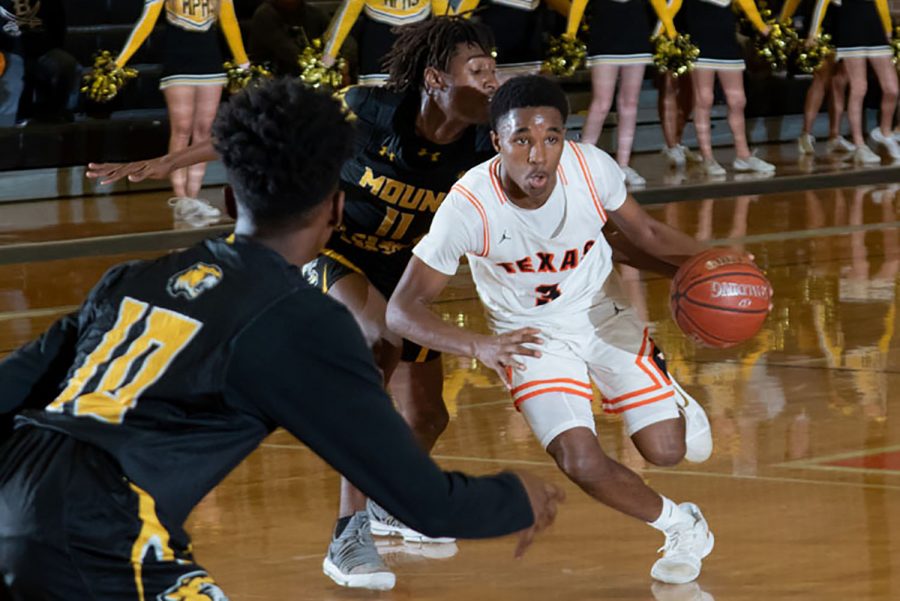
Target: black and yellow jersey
x,y
662,9
396,179
190,15
821,8
179,367
389,12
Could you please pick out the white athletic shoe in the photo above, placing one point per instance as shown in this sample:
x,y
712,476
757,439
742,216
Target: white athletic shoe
x,y
687,543
391,547
839,144
712,169
863,155
675,155
698,439
384,524
691,156
194,211
633,178
887,142
753,164
806,144
353,560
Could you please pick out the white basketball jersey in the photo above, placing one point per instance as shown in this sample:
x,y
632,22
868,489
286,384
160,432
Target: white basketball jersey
x,y
523,277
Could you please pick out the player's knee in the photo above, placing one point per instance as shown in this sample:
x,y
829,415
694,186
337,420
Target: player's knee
x,y
429,422
664,455
582,460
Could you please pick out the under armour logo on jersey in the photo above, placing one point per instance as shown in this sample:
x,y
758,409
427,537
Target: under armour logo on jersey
x,y
387,153
434,156
194,281
505,236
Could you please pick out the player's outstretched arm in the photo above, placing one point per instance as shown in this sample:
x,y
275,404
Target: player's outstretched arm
x,y
304,365
653,237
157,168
409,315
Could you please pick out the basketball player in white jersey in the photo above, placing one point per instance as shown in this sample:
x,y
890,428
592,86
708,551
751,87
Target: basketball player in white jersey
x,y
530,223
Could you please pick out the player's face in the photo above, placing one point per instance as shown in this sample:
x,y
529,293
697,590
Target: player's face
x,y
471,80
530,142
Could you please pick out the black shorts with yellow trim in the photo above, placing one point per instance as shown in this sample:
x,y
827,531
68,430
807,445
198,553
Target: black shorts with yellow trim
x,y
74,527
382,271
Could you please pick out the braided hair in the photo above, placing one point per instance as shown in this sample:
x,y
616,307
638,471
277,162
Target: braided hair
x,y
430,43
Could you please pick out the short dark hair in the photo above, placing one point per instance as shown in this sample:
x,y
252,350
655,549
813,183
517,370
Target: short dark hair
x,y
527,91
283,145
430,43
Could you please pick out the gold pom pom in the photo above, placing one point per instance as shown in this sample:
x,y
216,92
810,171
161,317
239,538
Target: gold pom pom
x,y
810,58
895,46
241,77
777,47
564,56
313,71
675,56
105,78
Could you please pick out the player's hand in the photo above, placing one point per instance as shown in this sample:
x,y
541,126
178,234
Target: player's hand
x,y
544,498
329,61
499,352
138,171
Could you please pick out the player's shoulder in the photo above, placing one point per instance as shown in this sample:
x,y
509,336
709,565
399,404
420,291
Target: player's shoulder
x,y
593,156
478,181
372,104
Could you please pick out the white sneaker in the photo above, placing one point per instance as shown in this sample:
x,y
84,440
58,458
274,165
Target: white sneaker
x,y
384,524
839,144
712,168
753,164
692,156
674,155
633,178
886,142
194,211
698,439
863,155
806,144
687,543
391,547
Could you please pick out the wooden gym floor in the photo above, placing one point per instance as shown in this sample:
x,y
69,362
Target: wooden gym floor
x,y
802,492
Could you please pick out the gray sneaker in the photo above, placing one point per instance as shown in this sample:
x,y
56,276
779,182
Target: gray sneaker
x,y
353,560
384,524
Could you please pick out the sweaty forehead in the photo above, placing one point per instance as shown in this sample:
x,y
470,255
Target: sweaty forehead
x,y
544,117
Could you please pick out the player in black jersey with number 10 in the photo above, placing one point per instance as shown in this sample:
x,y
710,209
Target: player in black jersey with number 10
x,y
134,409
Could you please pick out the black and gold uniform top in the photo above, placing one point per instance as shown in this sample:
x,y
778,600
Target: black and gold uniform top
x,y
190,15
396,180
181,366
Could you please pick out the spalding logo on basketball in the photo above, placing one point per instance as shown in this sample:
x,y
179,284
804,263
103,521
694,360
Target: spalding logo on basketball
x,y
720,298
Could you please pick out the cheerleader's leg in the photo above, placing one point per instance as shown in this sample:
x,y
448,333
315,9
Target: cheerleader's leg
x,y
703,81
815,95
668,107
206,105
887,79
180,101
856,72
736,99
840,81
603,80
632,76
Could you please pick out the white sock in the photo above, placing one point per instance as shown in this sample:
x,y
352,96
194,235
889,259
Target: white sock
x,y
671,515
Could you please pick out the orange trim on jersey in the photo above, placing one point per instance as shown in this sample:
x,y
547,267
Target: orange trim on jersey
x,y
655,399
551,381
562,175
639,361
582,162
525,397
494,172
480,208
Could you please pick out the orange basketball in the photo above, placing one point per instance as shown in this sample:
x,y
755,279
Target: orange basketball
x,y
720,298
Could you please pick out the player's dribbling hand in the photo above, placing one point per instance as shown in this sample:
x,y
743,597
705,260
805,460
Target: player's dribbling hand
x,y
138,171
499,352
544,498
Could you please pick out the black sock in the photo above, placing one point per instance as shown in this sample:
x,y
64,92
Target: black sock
x,y
341,525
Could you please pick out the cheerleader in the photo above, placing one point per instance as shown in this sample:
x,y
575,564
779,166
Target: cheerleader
x,y
618,48
711,25
372,22
191,82
862,35
829,76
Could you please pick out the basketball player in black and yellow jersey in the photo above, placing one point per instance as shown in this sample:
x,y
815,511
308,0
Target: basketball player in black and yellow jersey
x,y
414,139
133,409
